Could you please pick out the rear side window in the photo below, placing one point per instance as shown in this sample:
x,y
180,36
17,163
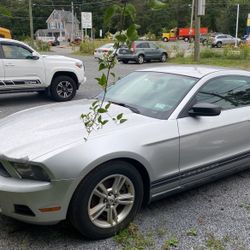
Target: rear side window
x,y
142,45
12,51
228,92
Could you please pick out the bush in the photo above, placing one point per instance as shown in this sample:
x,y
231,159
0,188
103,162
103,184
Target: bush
x,y
38,45
244,51
210,53
89,46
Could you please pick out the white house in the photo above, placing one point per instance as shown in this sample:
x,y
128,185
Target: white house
x,y
59,25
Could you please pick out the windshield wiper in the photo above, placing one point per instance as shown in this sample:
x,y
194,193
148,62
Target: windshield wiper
x,y
133,109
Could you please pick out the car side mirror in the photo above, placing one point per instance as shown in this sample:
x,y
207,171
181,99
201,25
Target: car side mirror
x,y
35,56
204,109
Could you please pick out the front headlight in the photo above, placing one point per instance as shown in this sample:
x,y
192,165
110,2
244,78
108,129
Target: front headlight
x,y
29,171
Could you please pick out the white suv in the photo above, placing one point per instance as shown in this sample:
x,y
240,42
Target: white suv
x,y
24,70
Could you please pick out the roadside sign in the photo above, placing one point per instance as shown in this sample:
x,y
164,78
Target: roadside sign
x,y
86,18
201,7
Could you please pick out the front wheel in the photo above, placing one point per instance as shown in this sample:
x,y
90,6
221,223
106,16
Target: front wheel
x,y
63,88
163,57
107,200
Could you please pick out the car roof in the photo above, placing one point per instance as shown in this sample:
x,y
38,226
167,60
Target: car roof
x,y
196,71
11,40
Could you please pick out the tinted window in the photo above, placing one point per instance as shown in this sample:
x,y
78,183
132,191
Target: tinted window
x,y
142,45
153,46
228,92
153,94
15,52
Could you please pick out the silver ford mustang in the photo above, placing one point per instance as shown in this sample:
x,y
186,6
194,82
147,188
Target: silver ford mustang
x,y
186,125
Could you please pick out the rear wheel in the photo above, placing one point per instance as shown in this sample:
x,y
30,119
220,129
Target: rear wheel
x,y
165,39
219,44
107,200
125,61
63,88
140,59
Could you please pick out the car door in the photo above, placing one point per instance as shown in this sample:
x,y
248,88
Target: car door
x,y
214,144
20,68
144,48
230,40
155,52
1,71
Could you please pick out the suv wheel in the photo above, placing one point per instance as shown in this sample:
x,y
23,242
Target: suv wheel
x,y
163,57
63,88
125,61
140,59
165,39
107,200
219,44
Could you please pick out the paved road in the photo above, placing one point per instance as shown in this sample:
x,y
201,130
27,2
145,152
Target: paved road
x,y
219,212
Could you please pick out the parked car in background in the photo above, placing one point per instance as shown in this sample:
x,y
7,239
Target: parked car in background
x,y
223,39
186,125
142,51
22,69
104,50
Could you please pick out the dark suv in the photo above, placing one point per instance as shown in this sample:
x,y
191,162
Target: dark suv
x,y
142,51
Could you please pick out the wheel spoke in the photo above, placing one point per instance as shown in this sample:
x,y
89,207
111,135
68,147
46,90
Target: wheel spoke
x,y
96,211
125,199
99,194
112,216
103,188
118,183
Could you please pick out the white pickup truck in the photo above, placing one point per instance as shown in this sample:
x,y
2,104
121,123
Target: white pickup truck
x,y
22,69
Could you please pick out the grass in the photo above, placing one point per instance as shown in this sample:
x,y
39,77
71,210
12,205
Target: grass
x,y
131,238
214,243
233,63
172,242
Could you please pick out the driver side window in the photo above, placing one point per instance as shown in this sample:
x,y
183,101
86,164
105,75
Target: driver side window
x,y
228,92
15,52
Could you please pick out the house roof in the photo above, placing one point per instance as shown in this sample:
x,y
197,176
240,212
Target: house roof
x,y
63,15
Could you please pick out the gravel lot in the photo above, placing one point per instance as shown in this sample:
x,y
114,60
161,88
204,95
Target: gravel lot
x,y
214,216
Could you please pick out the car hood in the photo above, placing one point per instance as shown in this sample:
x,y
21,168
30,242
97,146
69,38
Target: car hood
x,y
37,131
59,58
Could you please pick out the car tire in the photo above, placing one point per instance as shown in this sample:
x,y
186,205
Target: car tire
x,y
165,39
219,44
140,59
98,189
186,39
125,61
163,57
63,88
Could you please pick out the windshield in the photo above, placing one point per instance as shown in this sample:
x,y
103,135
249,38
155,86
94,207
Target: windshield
x,y
153,94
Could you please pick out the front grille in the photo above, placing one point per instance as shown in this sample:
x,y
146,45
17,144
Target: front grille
x,y
3,171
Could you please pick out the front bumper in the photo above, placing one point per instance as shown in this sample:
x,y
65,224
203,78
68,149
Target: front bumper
x,y
35,195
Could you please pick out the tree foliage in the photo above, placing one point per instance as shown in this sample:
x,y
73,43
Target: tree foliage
x,y
152,15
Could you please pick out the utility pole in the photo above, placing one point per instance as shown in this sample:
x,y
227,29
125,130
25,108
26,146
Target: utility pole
x,y
197,33
191,21
31,22
72,24
237,25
